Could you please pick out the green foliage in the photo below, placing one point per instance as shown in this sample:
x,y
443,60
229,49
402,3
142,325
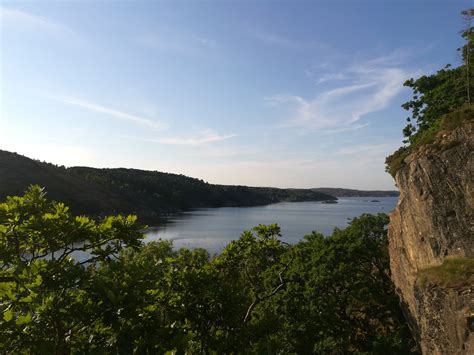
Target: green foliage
x,y
433,96
443,92
430,136
339,297
453,273
42,290
441,101
179,192
260,295
394,162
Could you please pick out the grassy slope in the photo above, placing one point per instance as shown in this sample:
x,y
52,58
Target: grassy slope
x,y
453,273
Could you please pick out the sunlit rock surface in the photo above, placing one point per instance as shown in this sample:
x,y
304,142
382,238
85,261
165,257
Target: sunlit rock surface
x,y
434,220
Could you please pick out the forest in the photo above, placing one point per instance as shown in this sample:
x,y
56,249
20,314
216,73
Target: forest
x,y
147,194
260,295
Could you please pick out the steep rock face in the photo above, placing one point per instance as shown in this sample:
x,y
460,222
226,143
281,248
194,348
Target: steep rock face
x,y
434,220
446,320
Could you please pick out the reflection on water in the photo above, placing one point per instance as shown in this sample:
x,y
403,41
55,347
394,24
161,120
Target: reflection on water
x,y
213,228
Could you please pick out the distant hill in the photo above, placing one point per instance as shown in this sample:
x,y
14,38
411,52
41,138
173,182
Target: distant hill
x,y
338,192
148,194
18,172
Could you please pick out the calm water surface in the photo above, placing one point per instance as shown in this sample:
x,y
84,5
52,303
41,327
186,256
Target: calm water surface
x,y
213,228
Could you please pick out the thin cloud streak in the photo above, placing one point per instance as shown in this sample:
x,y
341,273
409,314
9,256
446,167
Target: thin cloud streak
x,y
177,42
204,137
273,39
124,116
278,40
362,89
346,129
24,20
330,77
380,150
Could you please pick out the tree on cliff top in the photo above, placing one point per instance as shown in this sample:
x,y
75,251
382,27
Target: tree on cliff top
x,y
443,92
441,101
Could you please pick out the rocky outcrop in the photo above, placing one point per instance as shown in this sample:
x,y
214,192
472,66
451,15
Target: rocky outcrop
x,y
434,220
445,319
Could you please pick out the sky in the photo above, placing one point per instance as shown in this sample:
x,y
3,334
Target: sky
x,y
263,93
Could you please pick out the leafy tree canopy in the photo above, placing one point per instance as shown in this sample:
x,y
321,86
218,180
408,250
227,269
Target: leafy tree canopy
x,y
441,101
444,91
74,285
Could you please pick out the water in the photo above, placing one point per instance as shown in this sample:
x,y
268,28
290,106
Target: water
x,y
213,228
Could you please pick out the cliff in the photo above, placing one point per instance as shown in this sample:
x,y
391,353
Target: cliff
x,y
432,241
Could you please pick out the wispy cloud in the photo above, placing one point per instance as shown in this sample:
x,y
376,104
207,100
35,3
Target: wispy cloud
x,y
331,77
173,41
201,138
27,21
359,90
207,42
120,115
394,58
368,150
285,42
353,127
274,39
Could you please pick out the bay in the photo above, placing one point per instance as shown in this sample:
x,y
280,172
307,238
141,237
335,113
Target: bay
x,y
213,228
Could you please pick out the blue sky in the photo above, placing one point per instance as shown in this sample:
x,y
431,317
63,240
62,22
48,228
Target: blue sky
x,y
287,94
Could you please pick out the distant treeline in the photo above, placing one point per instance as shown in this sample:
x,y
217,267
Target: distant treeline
x,y
148,194
338,192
